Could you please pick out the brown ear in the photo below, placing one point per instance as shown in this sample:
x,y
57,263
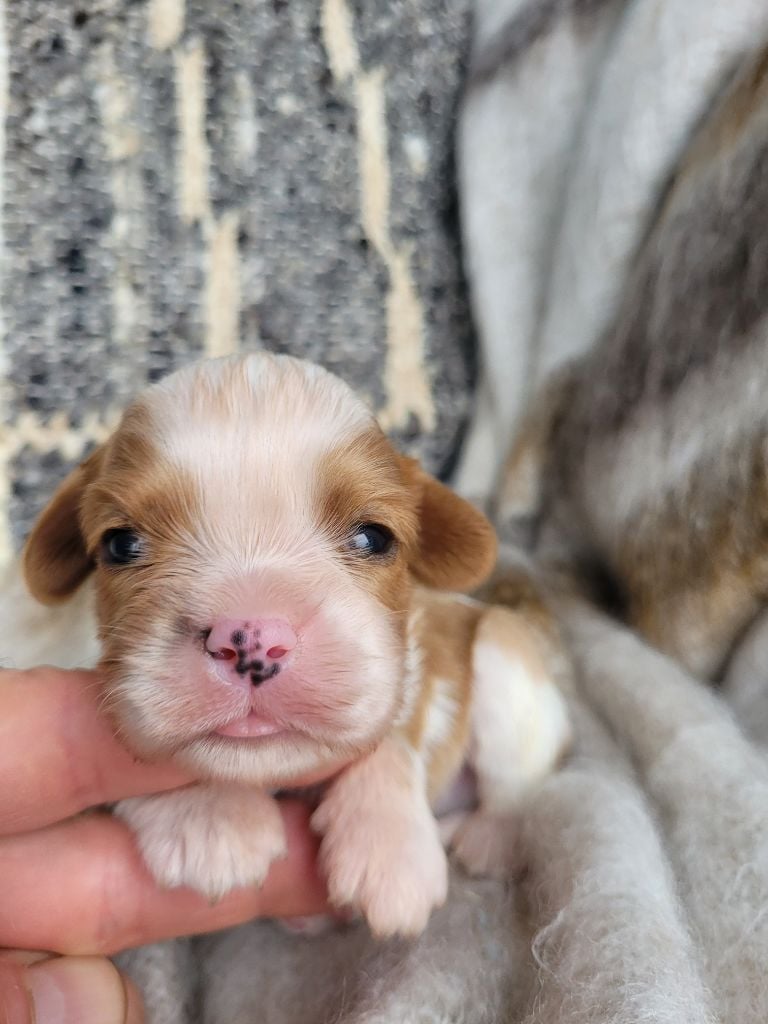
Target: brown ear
x,y
457,545
54,559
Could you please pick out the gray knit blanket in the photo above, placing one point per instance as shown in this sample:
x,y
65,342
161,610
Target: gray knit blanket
x,y
279,174
185,178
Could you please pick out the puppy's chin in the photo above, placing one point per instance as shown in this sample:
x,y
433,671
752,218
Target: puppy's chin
x,y
283,761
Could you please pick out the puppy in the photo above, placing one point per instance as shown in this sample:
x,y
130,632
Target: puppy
x,y
261,556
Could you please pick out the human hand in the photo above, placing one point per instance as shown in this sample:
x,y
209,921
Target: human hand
x,y
38,989
76,885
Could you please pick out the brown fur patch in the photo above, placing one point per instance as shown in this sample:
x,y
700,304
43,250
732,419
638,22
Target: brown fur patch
x,y
526,634
361,483
457,545
446,631
55,560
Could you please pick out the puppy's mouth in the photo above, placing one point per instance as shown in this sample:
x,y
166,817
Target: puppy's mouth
x,y
252,725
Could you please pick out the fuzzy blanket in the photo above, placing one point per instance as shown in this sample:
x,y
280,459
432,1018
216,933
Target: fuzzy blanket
x,y
646,888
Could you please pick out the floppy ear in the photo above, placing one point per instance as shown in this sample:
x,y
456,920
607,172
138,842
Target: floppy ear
x,y
457,545
54,559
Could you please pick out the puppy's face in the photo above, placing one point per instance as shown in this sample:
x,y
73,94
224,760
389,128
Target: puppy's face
x,y
254,537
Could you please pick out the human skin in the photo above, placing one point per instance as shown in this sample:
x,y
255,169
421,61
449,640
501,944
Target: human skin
x,y
73,883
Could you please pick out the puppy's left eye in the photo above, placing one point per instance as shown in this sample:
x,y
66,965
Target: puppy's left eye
x,y
120,547
371,539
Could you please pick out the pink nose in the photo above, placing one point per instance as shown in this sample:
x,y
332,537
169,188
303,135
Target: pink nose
x,y
254,647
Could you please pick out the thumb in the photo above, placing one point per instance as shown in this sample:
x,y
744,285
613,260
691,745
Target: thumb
x,y
67,990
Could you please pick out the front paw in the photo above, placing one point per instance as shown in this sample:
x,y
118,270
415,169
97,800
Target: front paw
x,y
486,845
210,838
391,867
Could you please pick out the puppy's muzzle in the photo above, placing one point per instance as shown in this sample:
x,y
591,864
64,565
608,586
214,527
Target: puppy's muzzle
x,y
256,649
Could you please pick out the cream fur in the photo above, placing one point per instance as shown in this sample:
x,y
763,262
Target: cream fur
x,y
520,731
381,849
210,837
520,724
441,716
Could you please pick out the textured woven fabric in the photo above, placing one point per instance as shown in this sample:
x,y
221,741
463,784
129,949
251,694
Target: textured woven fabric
x,y
187,177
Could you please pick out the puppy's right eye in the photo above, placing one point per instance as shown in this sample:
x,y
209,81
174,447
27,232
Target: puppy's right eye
x,y
120,547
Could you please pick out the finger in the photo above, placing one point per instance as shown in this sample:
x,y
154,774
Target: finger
x,y
58,755
26,957
15,1001
81,887
67,990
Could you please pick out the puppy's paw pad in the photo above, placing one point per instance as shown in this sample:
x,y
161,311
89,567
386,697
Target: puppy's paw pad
x,y
211,845
486,845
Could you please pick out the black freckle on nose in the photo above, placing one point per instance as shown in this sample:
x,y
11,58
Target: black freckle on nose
x,y
259,677
243,665
257,647
238,638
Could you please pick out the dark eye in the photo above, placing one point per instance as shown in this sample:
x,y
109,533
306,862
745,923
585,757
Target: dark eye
x,y
119,547
371,539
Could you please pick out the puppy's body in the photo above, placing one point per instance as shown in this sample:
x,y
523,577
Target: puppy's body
x,y
483,661
259,552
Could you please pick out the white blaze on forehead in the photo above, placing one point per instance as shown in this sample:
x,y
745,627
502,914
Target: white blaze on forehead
x,y
252,431
283,398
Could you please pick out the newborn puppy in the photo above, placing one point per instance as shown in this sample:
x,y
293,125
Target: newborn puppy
x,y
257,545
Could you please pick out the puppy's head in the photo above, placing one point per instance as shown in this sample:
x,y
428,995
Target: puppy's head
x,y
254,537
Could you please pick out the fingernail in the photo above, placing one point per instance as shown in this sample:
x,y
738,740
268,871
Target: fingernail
x,y
49,1000
77,990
